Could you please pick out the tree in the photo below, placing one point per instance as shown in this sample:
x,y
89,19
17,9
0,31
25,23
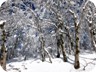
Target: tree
x,y
59,30
76,26
3,48
37,23
90,18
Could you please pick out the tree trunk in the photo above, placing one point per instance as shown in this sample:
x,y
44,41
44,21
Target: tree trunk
x,y
77,64
92,36
62,48
3,49
44,51
60,41
3,57
58,49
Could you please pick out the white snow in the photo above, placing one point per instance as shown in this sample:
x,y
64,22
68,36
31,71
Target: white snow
x,y
94,69
87,60
37,66
72,2
2,21
1,70
15,36
94,1
1,1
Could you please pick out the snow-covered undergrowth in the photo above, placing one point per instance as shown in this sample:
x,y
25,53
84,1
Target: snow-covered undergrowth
x,y
1,70
87,63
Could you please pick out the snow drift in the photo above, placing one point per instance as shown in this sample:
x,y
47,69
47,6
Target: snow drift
x,y
1,70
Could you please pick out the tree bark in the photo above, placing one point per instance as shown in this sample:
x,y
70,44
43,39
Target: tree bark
x,y
3,48
62,48
3,57
77,64
42,49
44,52
60,42
58,49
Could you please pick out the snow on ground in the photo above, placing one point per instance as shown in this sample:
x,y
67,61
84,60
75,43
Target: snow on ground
x,y
1,70
37,66
87,63
94,69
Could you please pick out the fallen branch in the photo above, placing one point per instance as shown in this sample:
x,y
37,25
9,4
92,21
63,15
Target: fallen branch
x,y
88,64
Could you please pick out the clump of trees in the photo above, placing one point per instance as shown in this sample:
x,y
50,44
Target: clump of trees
x,y
54,28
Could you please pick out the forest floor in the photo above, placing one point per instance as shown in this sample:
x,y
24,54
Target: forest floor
x,y
87,64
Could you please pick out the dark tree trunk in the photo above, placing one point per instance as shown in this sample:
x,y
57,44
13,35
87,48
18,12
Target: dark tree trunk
x,y
77,64
44,52
60,42
42,49
62,48
92,36
3,49
58,49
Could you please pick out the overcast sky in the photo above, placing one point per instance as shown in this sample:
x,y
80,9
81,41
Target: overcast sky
x,y
1,1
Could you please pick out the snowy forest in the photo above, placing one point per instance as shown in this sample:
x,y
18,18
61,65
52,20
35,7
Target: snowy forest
x,y
47,36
